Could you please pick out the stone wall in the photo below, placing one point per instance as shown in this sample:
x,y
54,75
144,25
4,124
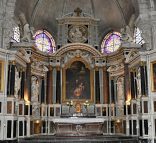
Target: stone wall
x,y
6,22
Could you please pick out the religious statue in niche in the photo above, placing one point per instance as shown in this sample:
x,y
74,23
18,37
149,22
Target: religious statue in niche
x,y
120,91
34,89
138,79
77,81
17,83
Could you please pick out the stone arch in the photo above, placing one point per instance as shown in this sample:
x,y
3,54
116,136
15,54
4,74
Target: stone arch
x,y
78,46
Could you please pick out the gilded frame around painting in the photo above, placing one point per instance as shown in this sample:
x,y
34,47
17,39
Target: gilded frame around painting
x,y
2,76
153,76
65,98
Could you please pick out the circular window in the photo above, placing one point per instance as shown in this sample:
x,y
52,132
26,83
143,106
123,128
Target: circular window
x,y
111,42
44,41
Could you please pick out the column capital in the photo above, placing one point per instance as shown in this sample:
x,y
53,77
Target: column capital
x,y
142,63
22,69
58,68
13,62
50,68
105,68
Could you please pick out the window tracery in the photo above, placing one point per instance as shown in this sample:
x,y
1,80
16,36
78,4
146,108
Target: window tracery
x,y
16,34
111,42
44,41
138,39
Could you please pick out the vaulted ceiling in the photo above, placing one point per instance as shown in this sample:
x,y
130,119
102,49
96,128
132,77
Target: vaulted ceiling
x,y
113,14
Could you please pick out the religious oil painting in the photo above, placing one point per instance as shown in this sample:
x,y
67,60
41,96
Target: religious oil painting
x,y
153,73
78,82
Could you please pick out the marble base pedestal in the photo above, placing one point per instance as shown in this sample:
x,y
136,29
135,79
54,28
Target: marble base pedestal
x,y
75,126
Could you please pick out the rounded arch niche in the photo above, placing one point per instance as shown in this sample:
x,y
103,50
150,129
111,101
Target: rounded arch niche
x,y
78,46
77,74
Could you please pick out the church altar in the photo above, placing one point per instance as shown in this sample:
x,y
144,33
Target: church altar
x,y
78,126
78,120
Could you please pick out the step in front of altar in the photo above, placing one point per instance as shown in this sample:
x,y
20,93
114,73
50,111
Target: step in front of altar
x,y
80,139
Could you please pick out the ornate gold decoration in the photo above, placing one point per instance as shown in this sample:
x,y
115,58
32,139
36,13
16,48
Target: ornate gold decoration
x,y
153,76
2,82
78,107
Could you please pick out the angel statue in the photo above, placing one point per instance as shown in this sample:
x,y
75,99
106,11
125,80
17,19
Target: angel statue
x,y
27,36
128,31
27,30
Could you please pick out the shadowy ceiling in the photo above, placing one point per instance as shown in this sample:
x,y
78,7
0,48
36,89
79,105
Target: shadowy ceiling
x,y
42,14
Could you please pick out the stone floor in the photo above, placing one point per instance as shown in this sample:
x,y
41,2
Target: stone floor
x,y
82,139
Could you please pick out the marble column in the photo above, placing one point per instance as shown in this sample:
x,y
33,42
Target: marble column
x,y
42,90
126,82
101,85
49,98
58,86
28,81
8,80
106,86
97,86
12,79
132,85
54,75
143,73
61,84
109,109
22,84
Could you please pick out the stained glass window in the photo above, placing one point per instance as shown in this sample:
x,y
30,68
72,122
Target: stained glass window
x,y
16,34
111,42
44,41
137,36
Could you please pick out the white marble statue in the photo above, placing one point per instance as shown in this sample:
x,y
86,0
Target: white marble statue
x,y
36,110
120,91
125,34
27,36
17,83
25,28
34,89
138,80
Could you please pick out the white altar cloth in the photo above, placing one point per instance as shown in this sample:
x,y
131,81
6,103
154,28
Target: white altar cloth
x,y
77,120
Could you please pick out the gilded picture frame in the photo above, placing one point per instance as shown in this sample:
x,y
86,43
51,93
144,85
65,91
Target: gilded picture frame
x,y
2,76
88,94
153,76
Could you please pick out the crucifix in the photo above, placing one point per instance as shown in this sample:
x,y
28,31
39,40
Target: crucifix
x,y
78,11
